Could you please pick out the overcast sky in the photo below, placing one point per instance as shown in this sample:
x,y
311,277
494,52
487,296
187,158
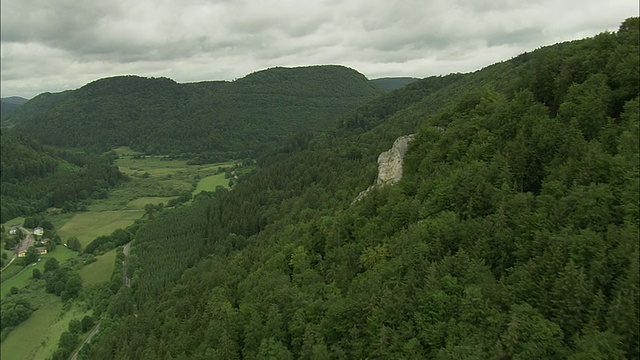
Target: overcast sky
x,y
55,45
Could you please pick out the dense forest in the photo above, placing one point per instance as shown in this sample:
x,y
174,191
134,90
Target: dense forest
x,y
513,233
35,178
216,120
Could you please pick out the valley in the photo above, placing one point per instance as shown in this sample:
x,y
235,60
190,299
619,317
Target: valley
x,y
153,181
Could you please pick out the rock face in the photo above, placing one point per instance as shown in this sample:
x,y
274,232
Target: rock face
x,y
390,164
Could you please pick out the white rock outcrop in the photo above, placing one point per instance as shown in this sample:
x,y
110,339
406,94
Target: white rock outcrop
x,y
390,161
390,164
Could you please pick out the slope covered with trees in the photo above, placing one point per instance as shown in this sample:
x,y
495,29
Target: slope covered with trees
x,y
513,233
35,178
9,105
229,119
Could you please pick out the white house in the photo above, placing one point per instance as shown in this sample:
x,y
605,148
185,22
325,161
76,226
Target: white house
x,y
38,231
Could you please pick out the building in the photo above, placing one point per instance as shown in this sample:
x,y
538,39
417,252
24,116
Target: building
x,y
41,251
38,231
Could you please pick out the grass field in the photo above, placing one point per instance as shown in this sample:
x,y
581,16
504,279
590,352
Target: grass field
x,y
210,183
23,341
100,270
22,275
87,226
37,337
16,221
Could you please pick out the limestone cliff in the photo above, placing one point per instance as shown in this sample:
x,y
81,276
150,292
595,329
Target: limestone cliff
x,y
390,164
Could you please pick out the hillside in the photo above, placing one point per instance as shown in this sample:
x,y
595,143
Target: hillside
x,y
512,234
9,105
229,119
35,178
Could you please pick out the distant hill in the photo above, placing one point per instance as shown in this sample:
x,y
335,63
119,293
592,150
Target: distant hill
x,y
16,100
9,105
158,115
389,84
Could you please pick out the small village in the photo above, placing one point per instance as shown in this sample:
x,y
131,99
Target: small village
x,y
31,238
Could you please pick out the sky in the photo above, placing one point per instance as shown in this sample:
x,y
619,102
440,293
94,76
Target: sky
x,y
56,45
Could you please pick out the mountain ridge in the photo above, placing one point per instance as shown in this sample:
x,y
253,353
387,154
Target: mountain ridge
x,y
227,118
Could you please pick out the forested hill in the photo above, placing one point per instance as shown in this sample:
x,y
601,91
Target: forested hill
x,y
512,234
9,105
34,178
159,115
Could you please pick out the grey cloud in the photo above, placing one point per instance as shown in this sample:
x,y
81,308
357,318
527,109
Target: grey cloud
x,y
71,42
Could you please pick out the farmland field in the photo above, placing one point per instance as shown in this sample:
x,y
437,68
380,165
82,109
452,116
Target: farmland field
x,y
16,221
37,337
210,183
87,226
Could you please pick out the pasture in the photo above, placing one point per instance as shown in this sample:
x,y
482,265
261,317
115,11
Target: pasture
x,y
100,270
87,226
210,183
16,221
37,337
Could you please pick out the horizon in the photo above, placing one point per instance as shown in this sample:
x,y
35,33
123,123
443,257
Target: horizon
x,y
61,46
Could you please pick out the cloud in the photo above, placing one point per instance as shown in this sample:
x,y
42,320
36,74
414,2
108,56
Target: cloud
x,y
59,44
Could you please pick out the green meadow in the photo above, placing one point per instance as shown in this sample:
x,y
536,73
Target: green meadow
x,y
100,270
210,183
87,226
16,221
37,337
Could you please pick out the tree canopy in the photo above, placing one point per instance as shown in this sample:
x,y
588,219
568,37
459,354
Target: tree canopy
x,y
216,119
